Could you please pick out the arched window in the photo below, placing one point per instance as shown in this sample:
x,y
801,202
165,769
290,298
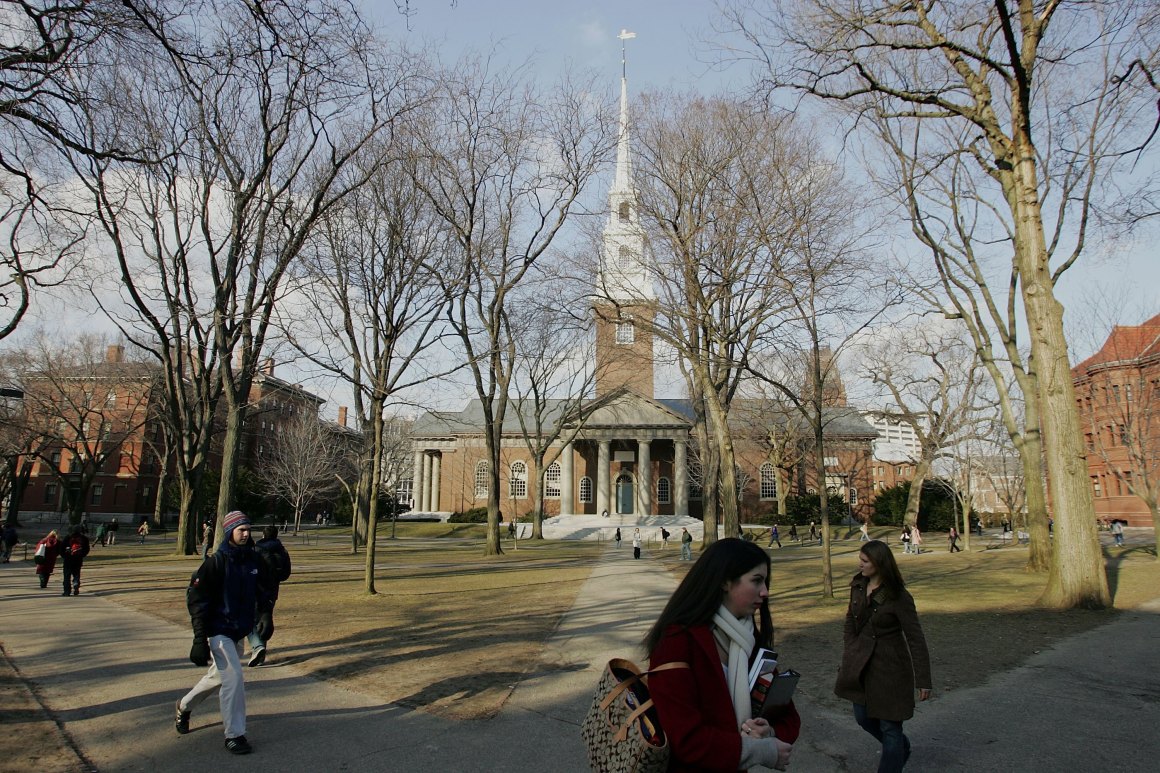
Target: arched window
x,y
664,491
552,481
624,212
696,489
768,481
518,481
853,496
623,258
586,490
625,331
481,482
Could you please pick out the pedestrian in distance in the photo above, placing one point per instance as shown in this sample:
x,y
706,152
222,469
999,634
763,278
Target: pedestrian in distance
x,y
686,545
143,532
102,533
111,537
8,540
206,538
271,550
1118,532
865,530
915,540
664,537
229,595
73,551
45,555
953,538
793,535
774,536
512,529
884,655
905,538
636,543
616,537
711,627
813,531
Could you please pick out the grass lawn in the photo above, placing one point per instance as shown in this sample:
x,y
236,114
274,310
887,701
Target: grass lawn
x,y
448,624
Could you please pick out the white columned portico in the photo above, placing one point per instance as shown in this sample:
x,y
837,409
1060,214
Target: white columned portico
x,y
417,483
436,466
425,500
643,477
567,481
680,479
603,465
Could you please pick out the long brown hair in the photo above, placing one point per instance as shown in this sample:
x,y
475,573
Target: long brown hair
x,y
878,552
700,594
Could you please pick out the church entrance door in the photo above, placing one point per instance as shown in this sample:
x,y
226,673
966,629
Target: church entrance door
x,y
624,498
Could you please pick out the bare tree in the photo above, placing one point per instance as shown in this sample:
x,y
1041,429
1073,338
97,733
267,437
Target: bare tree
x,y
300,468
996,117
93,409
503,166
266,117
374,304
933,382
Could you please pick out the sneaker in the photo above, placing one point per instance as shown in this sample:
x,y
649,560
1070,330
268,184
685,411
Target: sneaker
x,y
238,745
66,593
257,657
181,720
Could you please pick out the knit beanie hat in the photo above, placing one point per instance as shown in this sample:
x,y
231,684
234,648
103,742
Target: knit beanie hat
x,y
233,520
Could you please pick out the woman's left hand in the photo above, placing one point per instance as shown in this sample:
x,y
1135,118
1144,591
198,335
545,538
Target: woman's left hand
x,y
923,693
756,728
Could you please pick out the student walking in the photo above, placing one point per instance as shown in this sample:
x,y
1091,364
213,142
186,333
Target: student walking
x,y
73,553
686,545
865,530
271,550
8,540
229,595
47,550
616,538
636,543
1118,532
774,537
953,538
884,658
143,532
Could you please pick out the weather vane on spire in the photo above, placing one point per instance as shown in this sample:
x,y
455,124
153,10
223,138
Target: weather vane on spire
x,y
624,35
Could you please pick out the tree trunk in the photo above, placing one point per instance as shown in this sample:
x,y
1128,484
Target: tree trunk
x,y
914,497
780,485
824,509
231,458
727,466
373,512
538,508
1077,577
1035,498
492,546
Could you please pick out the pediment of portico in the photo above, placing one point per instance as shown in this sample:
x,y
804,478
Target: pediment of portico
x,y
630,411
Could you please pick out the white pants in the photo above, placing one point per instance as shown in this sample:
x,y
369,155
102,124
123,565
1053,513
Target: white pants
x,y
224,674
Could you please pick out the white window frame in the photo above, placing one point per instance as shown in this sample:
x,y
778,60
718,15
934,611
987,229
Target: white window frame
x,y
518,480
768,482
586,490
552,481
482,474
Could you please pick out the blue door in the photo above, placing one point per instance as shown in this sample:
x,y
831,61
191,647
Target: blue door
x,y
624,496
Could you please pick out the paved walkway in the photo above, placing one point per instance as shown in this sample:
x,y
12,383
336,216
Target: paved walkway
x,y
111,675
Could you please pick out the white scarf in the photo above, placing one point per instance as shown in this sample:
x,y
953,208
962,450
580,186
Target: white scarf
x,y
737,636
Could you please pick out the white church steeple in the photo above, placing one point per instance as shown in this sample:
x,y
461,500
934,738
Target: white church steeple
x,y
622,272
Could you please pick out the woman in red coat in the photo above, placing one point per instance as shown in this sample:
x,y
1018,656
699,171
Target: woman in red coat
x,y
885,657
47,562
708,623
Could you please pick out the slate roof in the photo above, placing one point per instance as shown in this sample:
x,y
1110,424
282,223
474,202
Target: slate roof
x,y
1125,343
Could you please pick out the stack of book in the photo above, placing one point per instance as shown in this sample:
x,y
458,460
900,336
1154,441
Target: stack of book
x,y
770,689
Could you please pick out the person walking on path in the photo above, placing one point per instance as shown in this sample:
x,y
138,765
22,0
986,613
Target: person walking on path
x,y
102,532
636,543
813,531
111,537
865,530
273,553
915,540
905,538
664,538
616,537
45,556
706,635
686,545
884,657
953,538
229,592
1118,532
793,535
8,540
206,538
143,532
774,537
73,552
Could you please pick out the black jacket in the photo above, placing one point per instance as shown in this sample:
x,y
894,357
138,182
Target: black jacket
x,y
230,590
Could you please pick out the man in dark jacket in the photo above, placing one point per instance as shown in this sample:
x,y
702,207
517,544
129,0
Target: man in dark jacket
x,y
273,553
75,548
229,592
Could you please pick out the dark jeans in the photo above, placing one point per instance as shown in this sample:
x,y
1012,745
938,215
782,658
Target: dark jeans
x,y
72,576
895,744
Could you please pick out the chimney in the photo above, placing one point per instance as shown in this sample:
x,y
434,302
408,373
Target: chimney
x,y
115,353
342,415
268,366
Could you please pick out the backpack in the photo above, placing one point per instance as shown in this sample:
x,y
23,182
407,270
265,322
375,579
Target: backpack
x,y
75,547
277,559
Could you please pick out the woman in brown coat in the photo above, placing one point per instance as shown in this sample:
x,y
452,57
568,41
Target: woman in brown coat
x,y
885,656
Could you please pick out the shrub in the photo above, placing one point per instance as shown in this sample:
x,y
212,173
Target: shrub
x,y
474,515
808,507
936,508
